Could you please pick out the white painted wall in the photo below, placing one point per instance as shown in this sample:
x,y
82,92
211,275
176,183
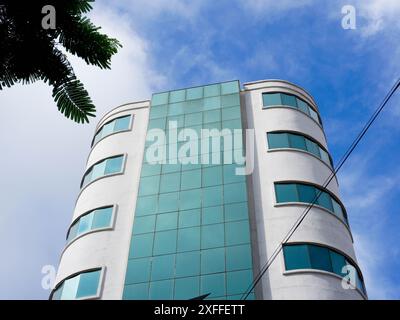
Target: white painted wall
x,y
110,248
272,222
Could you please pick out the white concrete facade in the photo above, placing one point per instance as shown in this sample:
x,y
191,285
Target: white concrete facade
x,y
109,249
271,222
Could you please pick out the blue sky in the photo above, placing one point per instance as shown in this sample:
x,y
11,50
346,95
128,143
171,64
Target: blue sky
x,y
173,44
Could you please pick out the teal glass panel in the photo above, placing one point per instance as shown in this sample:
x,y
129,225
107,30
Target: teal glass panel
x,y
212,90
179,119
278,140
337,209
230,175
211,215
288,100
149,185
170,182
296,257
231,112
237,232
163,267
73,231
141,245
272,99
122,123
297,141
108,129
159,98
230,101
175,109
190,199
114,165
191,179
146,205
136,291
212,103
212,236
70,288
170,167
314,115
188,264
161,290
338,262
325,156
213,260
144,224
212,176
232,124
85,223
324,200
306,193
238,281
98,170
189,218
213,284
177,96
236,211
187,288
168,202
303,106
286,192
320,258
102,218
193,119
313,148
235,192
211,116
57,293
238,257
194,93
165,242
229,87
167,221
156,124
212,196
138,270
189,239
157,112
87,178
150,169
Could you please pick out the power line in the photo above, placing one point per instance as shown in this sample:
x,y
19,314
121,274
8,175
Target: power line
x,y
326,183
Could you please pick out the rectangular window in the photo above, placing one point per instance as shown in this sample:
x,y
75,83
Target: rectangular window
x,y
306,193
296,257
286,192
165,242
122,123
102,218
338,262
297,141
163,267
320,258
303,106
88,284
288,100
272,99
188,264
278,140
114,165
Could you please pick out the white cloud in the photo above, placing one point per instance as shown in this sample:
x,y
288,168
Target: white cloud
x,y
379,14
44,155
274,7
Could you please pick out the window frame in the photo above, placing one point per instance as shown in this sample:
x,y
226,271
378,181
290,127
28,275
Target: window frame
x,y
89,170
110,227
347,258
99,285
307,137
319,122
319,188
131,115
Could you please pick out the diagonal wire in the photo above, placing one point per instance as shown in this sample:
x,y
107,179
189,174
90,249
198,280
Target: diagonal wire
x,y
326,183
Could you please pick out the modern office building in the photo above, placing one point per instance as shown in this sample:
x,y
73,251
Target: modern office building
x,y
165,211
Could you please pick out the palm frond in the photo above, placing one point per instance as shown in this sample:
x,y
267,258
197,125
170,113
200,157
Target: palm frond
x,y
73,101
